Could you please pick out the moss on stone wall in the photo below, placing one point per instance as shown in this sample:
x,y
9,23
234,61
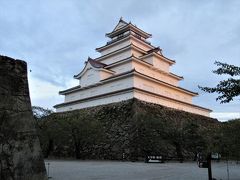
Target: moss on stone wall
x,y
132,127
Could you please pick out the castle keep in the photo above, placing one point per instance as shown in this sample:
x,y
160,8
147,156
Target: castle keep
x,y
129,67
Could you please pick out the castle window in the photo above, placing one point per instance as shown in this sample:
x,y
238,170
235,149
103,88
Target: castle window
x,y
138,36
120,36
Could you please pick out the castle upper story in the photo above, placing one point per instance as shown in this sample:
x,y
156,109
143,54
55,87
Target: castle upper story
x,y
128,49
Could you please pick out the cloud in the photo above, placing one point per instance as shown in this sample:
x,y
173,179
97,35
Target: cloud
x,y
55,38
225,116
44,93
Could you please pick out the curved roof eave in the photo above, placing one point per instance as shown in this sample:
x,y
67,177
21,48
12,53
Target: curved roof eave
x,y
77,76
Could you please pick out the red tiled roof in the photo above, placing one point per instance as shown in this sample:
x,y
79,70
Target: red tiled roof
x,y
156,49
96,64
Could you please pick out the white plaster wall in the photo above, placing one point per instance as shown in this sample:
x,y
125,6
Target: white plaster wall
x,y
154,87
100,89
116,57
116,46
136,53
157,62
165,102
140,44
100,101
104,75
161,64
125,43
129,82
91,76
121,68
155,74
148,59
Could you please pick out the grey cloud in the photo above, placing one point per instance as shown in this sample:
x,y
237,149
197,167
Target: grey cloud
x,y
55,37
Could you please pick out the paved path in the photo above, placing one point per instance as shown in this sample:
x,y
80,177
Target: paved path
x,y
114,170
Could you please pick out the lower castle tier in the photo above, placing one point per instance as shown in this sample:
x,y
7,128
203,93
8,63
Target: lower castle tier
x,y
129,67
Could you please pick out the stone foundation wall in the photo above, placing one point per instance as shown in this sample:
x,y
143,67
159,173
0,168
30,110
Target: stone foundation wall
x,y
129,129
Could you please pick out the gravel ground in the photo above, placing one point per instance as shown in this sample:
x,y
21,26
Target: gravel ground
x,y
116,170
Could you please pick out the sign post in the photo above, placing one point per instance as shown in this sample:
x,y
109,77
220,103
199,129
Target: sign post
x,y
209,158
208,163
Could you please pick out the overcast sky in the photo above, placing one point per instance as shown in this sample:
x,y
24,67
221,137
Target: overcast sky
x,y
55,37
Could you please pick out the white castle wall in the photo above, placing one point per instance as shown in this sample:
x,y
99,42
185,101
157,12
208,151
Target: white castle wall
x,y
136,53
125,42
140,44
100,89
96,102
123,67
158,63
163,65
116,46
116,56
155,87
137,82
104,75
134,94
168,103
91,76
129,82
154,73
144,69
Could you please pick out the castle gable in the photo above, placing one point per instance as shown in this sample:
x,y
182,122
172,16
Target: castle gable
x,y
120,24
92,73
